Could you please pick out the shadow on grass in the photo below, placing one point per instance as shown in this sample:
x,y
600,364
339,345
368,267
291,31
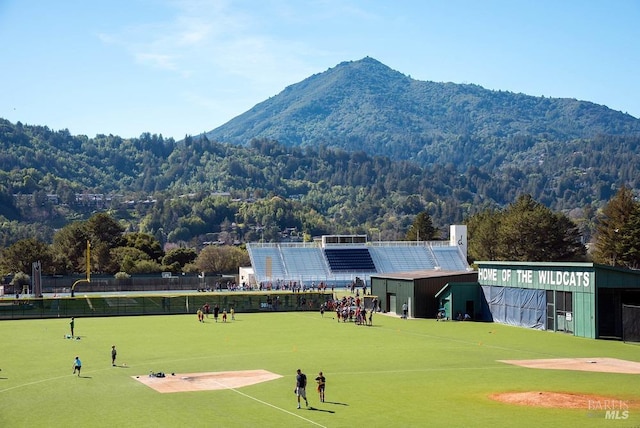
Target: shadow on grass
x,y
319,410
335,402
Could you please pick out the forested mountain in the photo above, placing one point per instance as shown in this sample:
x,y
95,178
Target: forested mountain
x,y
365,105
352,150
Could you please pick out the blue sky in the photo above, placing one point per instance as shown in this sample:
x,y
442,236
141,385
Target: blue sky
x,y
182,67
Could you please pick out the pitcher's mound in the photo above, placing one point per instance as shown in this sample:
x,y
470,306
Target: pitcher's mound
x,y
606,365
564,400
184,382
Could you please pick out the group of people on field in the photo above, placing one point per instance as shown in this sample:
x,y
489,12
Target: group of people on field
x,y
205,310
294,286
350,309
77,363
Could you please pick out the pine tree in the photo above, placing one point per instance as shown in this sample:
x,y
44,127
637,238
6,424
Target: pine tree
x,y
482,229
422,228
524,231
629,241
608,239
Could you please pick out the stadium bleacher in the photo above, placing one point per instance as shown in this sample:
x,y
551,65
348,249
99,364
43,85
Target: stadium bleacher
x,y
349,259
339,263
449,258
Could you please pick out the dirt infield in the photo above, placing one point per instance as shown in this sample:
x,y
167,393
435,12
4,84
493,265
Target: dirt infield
x,y
186,382
571,400
565,400
605,365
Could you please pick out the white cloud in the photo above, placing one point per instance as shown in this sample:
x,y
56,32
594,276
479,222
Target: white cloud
x,y
157,60
200,34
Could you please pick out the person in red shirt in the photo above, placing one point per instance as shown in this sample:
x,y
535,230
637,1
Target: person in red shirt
x,y
321,381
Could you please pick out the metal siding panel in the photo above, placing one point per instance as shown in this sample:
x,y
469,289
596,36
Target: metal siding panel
x,y
403,290
584,315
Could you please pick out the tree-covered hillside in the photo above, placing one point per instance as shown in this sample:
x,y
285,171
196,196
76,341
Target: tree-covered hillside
x,y
199,190
365,105
357,148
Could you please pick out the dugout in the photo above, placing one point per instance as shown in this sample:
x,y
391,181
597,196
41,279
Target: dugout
x,y
583,299
418,289
461,298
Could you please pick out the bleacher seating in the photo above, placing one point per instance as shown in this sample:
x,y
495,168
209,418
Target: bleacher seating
x,y
259,256
305,262
402,258
449,258
339,265
350,259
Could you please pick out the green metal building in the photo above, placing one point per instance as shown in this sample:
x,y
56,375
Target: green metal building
x,y
584,299
459,298
417,289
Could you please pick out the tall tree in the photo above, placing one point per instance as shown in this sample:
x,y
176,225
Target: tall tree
x,y
105,234
422,228
146,243
611,225
177,258
482,229
629,243
19,256
524,231
69,245
222,259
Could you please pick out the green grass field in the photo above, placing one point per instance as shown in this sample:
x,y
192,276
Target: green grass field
x,y
395,373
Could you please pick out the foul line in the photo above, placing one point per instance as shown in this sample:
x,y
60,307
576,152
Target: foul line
x,y
269,404
22,385
219,383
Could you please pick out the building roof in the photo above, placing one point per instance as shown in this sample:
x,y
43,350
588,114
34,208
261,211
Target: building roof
x,y
422,274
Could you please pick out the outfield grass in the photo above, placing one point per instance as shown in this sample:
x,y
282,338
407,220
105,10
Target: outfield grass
x,y
396,373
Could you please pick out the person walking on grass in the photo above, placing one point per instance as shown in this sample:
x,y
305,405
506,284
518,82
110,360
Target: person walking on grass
x,y
77,366
301,385
114,353
321,381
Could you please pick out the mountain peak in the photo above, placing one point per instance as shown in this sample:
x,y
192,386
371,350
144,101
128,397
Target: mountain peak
x,y
365,105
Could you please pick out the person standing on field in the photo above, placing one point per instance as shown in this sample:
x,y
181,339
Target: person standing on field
x,y
301,385
321,381
77,366
114,353
72,324
216,311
